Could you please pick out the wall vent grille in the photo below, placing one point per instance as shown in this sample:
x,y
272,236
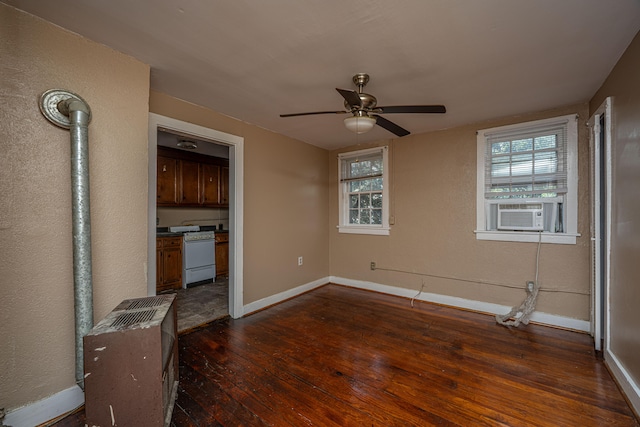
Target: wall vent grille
x,y
146,302
131,318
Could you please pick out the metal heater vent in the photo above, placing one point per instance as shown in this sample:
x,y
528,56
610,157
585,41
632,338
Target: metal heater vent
x,y
146,302
131,318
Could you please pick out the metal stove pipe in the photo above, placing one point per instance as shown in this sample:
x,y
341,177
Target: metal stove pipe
x,y
69,111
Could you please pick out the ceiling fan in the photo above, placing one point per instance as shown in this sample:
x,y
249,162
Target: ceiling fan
x,y
365,113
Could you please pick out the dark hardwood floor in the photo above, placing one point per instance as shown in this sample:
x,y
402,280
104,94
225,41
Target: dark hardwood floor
x,y
338,356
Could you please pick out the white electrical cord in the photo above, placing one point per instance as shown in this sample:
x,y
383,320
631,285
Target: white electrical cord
x,y
521,313
418,294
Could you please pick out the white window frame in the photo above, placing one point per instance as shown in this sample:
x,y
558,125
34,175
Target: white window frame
x,y
570,233
343,194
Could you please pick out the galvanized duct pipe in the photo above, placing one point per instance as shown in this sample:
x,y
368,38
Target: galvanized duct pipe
x,y
69,111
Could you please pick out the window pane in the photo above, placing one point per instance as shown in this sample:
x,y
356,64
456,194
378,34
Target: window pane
x,y
353,216
376,184
376,216
365,185
364,217
356,168
545,185
548,141
522,187
500,166
500,188
354,186
522,145
376,200
353,201
521,164
500,147
546,162
365,200
376,166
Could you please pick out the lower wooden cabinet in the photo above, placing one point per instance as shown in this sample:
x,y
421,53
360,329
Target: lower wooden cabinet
x,y
222,255
168,263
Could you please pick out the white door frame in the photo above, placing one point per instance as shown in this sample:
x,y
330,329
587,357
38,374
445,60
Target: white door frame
x,y
600,312
236,205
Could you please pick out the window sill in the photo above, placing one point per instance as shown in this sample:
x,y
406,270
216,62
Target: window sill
x,y
527,236
375,231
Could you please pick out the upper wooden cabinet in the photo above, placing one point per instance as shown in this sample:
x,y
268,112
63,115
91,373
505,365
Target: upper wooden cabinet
x,y
210,184
167,194
188,179
224,185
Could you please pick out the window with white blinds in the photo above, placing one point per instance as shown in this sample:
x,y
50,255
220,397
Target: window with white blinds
x,y
524,167
363,191
526,163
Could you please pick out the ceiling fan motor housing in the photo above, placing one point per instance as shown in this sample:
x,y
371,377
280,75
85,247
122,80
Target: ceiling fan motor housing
x,y
367,102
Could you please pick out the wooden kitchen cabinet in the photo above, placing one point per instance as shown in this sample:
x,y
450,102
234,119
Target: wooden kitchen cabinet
x,y
222,255
190,182
188,179
224,186
210,184
168,263
167,178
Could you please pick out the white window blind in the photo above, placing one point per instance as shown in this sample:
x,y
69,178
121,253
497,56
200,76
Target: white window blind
x,y
527,163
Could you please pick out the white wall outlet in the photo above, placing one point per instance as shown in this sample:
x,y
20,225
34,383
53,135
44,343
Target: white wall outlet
x,y
299,260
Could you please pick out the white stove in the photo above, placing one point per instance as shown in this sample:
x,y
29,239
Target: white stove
x,y
198,254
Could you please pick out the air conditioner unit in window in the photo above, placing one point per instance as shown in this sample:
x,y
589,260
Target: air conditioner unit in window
x,y
520,216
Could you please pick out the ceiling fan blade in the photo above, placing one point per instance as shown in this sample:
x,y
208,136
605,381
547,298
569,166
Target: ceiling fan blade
x,y
313,113
351,96
390,126
438,109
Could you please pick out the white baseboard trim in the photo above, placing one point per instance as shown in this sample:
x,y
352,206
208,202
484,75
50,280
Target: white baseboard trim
x,y
282,296
46,409
484,307
624,379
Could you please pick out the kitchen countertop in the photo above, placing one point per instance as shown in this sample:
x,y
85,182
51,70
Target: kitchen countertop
x,y
168,234
164,232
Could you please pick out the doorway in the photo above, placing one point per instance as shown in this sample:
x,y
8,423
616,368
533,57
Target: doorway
x,y
601,132
235,146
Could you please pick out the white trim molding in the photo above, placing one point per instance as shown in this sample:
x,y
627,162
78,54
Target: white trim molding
x,y
624,379
46,409
236,203
283,296
456,302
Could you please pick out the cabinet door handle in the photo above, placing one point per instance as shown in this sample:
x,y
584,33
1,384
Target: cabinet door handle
x,y
164,168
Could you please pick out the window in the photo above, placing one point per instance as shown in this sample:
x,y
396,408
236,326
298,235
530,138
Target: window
x,y
363,191
527,181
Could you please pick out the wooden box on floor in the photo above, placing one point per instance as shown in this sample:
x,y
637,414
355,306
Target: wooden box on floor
x,y
131,364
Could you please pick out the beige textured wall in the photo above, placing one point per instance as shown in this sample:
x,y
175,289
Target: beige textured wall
x,y
433,200
37,356
285,201
623,85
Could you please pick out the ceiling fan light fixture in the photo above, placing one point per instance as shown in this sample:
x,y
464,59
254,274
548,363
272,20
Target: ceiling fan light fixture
x,y
359,124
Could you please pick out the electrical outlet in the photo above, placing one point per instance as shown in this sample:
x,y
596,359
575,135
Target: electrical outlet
x,y
530,286
299,260
373,265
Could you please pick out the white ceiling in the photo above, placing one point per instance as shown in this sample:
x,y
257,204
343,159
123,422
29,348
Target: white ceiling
x,y
256,59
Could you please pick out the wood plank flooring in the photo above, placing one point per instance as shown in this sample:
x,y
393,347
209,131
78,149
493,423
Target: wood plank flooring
x,y
338,356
